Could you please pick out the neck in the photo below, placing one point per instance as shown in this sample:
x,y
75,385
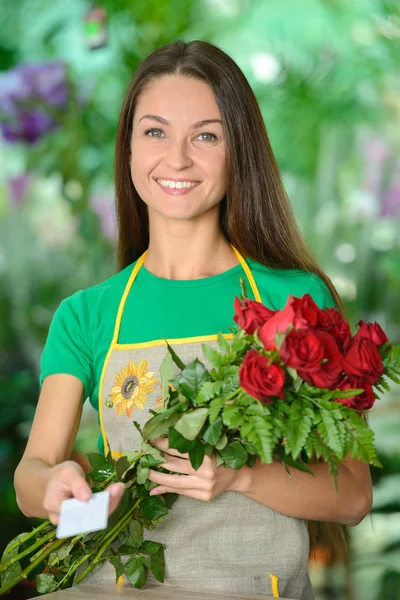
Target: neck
x,y
180,250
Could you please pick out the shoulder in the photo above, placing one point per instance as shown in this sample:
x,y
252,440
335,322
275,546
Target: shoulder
x,y
97,299
275,285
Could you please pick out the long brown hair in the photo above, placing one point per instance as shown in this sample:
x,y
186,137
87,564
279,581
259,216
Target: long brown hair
x,y
255,213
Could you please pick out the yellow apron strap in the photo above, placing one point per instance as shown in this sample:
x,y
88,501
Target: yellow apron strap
x,y
249,275
125,295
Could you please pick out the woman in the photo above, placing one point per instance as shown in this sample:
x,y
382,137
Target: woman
x,y
200,203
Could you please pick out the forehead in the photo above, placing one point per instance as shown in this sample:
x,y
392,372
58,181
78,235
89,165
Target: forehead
x,y
178,98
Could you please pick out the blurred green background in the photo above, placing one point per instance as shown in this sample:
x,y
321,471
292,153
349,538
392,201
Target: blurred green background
x,y
326,74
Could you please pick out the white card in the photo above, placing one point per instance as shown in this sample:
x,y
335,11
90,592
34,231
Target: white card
x,y
83,517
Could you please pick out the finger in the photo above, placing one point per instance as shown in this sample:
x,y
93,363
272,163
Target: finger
x,y
192,493
178,465
116,492
53,518
80,489
162,444
178,481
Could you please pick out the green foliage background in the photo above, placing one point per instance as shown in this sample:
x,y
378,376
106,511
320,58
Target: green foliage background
x,y
326,74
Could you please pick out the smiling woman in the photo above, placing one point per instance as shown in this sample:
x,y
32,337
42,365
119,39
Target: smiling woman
x,y
200,205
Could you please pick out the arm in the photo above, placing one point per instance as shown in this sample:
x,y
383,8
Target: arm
x,y
308,497
45,476
50,441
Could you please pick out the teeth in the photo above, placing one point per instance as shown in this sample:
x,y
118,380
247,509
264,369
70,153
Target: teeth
x,y
176,184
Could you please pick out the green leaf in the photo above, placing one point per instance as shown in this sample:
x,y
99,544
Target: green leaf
x,y
142,473
213,432
192,378
212,355
177,441
158,565
175,357
150,547
220,460
153,508
191,423
288,460
136,572
223,343
97,461
234,455
215,408
166,373
196,456
132,534
170,499
348,393
222,442
249,447
150,461
152,451
208,390
330,433
121,467
119,567
251,460
157,426
45,583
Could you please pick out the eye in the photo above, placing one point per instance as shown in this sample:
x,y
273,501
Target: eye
x,y
209,134
151,130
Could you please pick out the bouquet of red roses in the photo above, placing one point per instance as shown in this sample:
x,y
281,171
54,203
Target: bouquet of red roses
x,y
291,385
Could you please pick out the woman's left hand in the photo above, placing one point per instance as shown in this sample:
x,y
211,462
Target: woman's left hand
x,y
204,484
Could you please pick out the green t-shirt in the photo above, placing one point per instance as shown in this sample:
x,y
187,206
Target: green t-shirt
x,y
83,325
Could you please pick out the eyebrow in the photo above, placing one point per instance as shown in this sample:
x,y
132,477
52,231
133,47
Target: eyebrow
x,y
165,122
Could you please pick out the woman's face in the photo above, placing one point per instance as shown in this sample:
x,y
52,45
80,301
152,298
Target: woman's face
x,y
170,144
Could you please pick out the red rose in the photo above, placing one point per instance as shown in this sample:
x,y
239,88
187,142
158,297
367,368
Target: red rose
x,y
363,401
332,322
307,314
362,361
373,332
278,323
315,356
261,378
251,314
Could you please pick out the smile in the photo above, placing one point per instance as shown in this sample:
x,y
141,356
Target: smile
x,y
177,187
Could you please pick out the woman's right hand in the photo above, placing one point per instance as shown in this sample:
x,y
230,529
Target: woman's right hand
x,y
67,480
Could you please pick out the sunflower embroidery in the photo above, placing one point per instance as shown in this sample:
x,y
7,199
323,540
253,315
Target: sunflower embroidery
x,y
132,386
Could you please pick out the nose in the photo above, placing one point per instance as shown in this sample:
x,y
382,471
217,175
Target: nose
x,y
178,156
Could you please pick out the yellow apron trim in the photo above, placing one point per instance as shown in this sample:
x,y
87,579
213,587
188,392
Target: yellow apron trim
x,y
114,345
200,338
249,274
116,454
274,584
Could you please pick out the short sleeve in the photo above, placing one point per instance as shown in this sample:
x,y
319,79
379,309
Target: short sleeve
x,y
320,293
68,347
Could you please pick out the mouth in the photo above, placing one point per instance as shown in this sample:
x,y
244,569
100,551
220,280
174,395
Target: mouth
x,y
177,186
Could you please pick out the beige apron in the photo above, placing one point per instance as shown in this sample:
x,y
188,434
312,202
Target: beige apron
x,y
232,543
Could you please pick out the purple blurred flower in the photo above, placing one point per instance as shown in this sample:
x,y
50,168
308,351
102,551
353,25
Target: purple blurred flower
x,y
18,187
29,95
104,208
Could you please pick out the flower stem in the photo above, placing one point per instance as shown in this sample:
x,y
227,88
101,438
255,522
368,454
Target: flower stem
x,y
107,541
29,550
25,572
233,394
29,535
